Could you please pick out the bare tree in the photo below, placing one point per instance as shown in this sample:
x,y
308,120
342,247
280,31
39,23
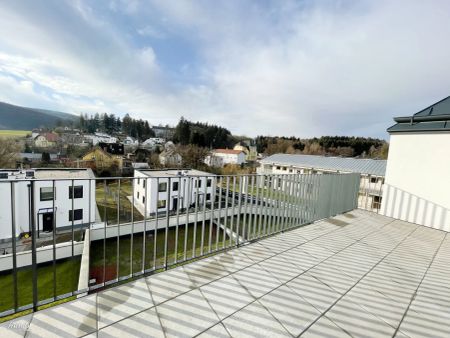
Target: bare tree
x,y
9,152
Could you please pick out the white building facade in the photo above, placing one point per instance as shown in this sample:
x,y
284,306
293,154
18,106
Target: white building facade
x,y
372,172
50,186
417,187
230,156
158,191
98,137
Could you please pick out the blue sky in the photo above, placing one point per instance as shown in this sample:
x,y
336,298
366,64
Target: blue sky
x,y
303,68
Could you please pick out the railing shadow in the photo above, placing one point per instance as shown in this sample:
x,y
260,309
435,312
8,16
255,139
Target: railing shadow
x,y
400,204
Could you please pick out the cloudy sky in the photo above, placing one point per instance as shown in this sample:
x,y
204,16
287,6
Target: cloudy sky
x,y
303,68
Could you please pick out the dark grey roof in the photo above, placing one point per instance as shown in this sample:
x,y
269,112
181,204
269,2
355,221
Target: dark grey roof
x,y
433,118
345,164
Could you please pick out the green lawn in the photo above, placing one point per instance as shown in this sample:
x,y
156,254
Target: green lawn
x,y
96,259
107,203
67,272
14,133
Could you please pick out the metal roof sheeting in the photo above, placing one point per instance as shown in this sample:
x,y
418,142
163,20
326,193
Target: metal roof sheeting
x,y
345,164
439,112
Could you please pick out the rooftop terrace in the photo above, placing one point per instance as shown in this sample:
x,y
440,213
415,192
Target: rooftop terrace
x,y
357,274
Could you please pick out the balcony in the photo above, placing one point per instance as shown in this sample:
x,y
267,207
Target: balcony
x,y
354,274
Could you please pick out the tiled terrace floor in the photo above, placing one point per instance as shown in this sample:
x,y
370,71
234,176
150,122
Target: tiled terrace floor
x,y
358,274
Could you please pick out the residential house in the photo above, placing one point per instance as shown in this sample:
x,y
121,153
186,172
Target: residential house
x,y
166,190
98,137
153,142
372,172
170,157
214,161
130,141
417,183
62,198
230,156
249,150
46,140
105,156
163,132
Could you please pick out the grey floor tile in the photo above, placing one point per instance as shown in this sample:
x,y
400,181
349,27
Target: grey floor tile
x,y
254,321
123,301
226,296
325,328
335,279
217,331
357,322
291,310
256,280
72,319
169,284
234,260
186,315
314,291
16,327
144,324
256,252
281,268
205,271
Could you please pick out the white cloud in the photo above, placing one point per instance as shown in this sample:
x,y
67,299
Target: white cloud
x,y
295,68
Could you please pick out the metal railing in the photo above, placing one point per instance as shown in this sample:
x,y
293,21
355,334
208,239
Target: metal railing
x,y
140,225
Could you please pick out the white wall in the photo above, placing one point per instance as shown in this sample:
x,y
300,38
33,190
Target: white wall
x,y
417,184
184,190
231,158
62,205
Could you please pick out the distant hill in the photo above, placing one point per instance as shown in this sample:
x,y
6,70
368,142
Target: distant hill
x,y
21,118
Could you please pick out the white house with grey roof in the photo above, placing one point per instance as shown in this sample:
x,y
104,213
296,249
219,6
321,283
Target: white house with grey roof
x,y
372,172
417,184
71,190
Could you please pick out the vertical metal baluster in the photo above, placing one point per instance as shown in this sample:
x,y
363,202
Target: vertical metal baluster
x,y
244,225
186,224
250,214
202,235
219,205
33,245
297,199
225,223
118,231
212,202
238,219
104,234
268,203
194,249
262,206
132,226
14,251
286,187
257,216
144,233
166,236
54,240
233,209
178,220
274,198
73,219
155,234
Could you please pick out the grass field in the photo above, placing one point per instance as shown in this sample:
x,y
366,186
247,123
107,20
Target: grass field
x,y
14,133
67,272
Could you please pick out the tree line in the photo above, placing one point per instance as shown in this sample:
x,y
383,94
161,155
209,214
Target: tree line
x,y
111,124
202,134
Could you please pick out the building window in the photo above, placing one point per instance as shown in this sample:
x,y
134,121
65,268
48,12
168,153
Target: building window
x,y
290,170
161,204
143,183
139,181
208,197
47,194
138,195
175,186
162,187
373,180
208,182
376,202
198,183
78,215
143,199
278,167
285,168
77,192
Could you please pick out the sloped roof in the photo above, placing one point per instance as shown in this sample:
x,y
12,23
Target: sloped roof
x,y
433,118
345,164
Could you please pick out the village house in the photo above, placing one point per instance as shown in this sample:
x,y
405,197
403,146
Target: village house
x,y
45,140
106,156
159,190
249,150
62,198
230,156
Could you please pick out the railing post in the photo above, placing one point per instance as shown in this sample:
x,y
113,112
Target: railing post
x,y
13,238
33,244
